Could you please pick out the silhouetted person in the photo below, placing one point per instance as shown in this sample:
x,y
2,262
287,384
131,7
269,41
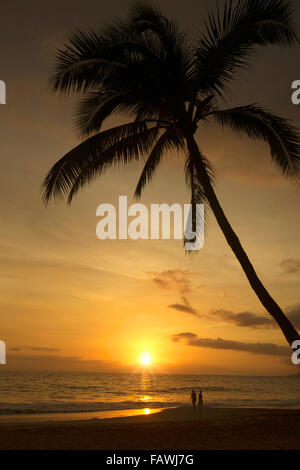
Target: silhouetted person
x,y
194,399
200,400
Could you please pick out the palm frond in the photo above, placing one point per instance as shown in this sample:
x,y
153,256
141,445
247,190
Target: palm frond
x,y
232,34
170,139
198,195
203,107
145,17
89,60
258,123
95,108
152,22
142,67
119,144
193,180
122,152
84,61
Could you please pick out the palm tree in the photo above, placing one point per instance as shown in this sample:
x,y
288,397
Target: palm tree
x,y
145,68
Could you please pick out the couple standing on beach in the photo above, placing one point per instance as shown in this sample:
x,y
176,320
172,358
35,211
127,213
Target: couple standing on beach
x,y
194,399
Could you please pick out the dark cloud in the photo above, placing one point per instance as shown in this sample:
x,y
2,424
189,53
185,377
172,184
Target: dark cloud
x,y
184,308
35,348
244,319
45,349
180,336
290,265
178,280
219,343
56,362
160,283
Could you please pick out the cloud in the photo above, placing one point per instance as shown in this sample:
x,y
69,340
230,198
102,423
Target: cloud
x,y
191,339
45,349
290,265
35,348
244,319
184,308
180,336
161,283
178,280
56,362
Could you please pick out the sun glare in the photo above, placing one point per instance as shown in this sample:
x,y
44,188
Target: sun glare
x,y
145,359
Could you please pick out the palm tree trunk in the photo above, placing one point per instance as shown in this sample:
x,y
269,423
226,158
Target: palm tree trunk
x,y
267,301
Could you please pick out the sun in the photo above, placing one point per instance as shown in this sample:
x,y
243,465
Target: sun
x,y
145,359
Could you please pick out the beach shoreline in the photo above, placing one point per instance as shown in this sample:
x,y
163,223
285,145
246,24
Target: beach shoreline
x,y
172,428
31,418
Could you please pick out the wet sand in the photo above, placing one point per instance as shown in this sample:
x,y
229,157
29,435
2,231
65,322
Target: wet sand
x,y
177,428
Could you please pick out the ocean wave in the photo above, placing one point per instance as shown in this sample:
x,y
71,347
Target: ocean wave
x,y
43,392
80,407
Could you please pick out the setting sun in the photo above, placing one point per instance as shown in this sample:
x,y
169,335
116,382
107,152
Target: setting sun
x,y
145,359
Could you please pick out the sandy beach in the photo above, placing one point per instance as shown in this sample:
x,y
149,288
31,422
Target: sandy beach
x,y
178,428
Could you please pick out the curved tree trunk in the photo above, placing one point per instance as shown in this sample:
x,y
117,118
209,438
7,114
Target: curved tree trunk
x,y
267,301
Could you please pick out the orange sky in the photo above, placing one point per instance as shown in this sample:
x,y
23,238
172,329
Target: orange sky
x,y
70,301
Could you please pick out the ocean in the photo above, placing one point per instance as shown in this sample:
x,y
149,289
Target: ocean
x,y
62,392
